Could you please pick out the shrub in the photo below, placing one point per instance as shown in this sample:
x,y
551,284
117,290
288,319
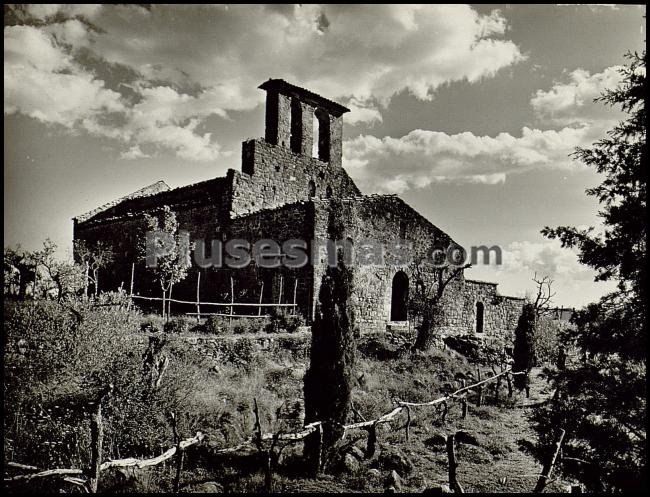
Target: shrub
x,y
152,324
217,325
283,321
178,325
246,325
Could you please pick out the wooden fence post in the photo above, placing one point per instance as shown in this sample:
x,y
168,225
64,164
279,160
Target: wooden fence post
x,y
232,302
479,399
548,466
281,288
408,422
268,474
259,309
295,293
371,445
319,452
445,409
198,297
169,301
451,456
463,401
497,388
509,380
180,454
97,440
131,287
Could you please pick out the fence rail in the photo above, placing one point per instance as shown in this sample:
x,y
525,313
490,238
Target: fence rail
x,y
167,300
254,440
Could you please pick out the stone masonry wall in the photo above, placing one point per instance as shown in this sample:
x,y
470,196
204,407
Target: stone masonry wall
x,y
500,313
277,176
384,219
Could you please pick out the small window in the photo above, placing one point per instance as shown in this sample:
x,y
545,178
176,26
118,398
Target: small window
x,y
328,192
312,189
479,317
402,229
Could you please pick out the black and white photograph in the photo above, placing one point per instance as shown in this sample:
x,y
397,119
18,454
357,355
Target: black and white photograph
x,y
325,248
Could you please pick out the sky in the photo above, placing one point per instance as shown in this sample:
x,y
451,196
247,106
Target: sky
x,y
468,112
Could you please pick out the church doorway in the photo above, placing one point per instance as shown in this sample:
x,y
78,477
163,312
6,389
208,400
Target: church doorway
x,y
399,297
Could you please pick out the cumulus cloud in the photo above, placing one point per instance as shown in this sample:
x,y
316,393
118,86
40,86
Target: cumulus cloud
x,y
202,60
343,51
45,11
134,153
573,282
395,165
572,101
44,82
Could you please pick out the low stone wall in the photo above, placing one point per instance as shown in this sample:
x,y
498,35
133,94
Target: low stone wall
x,y
222,349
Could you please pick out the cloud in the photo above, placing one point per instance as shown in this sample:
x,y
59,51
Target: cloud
x,y
422,157
573,282
546,258
573,101
46,11
196,61
44,82
342,51
134,153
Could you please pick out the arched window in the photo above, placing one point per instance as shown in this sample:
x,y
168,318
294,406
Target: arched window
x,y
399,297
328,191
323,135
312,188
296,126
479,317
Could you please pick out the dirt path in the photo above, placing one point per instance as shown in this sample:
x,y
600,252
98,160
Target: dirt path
x,y
500,462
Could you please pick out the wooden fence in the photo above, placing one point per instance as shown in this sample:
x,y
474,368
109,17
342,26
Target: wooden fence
x,y
167,301
88,478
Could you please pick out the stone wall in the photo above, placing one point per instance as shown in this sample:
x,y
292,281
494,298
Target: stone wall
x,y
276,176
289,222
500,313
385,219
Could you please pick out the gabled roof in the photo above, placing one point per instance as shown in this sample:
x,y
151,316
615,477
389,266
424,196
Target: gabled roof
x,y
153,189
281,86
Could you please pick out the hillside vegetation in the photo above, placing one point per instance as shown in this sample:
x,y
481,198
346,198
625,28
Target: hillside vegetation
x,y
59,356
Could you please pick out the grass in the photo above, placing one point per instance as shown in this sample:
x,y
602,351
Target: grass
x,y
219,401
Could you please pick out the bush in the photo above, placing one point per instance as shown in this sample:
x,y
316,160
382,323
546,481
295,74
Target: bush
x,y
152,324
217,325
283,321
178,325
57,357
246,325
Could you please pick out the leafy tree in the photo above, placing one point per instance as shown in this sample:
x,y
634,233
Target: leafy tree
x,y
601,402
61,277
92,257
19,269
173,246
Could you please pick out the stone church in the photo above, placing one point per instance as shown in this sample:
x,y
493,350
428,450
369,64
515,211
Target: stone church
x,y
289,184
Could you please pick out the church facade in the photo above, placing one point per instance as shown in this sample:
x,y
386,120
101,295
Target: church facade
x,y
290,187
